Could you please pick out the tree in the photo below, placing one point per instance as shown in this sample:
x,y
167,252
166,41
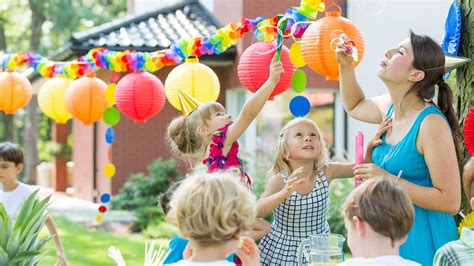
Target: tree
x,y
465,75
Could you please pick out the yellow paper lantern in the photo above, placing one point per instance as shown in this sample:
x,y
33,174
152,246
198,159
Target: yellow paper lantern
x,y
194,79
85,99
52,99
15,92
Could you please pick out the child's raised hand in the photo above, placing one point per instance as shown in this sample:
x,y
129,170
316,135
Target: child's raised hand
x,y
383,127
248,252
295,179
276,68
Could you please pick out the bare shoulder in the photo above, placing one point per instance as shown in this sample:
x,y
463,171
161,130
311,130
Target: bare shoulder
x,y
434,130
273,185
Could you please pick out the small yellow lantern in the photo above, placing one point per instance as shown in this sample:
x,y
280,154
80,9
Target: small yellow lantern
x,y
52,99
194,79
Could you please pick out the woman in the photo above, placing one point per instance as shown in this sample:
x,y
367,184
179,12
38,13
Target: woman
x,y
421,140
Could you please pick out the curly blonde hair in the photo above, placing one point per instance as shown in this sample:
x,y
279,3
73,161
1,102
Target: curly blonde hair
x,y
182,132
211,209
280,163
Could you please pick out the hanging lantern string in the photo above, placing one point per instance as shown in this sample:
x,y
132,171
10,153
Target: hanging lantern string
x,y
126,61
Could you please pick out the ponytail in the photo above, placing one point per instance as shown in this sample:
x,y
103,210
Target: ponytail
x,y
445,104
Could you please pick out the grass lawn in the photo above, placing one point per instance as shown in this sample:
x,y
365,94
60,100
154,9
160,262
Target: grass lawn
x,y
85,247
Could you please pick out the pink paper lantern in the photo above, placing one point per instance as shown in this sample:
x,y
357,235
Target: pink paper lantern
x,y
140,96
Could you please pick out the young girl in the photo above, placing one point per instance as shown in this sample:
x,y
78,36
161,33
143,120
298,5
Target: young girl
x,y
298,192
209,134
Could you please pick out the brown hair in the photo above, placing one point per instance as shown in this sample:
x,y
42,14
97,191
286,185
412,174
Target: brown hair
x,y
11,152
429,57
384,205
211,209
182,134
165,197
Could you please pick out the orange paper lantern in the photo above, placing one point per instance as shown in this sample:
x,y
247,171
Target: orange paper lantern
x,y
15,92
319,42
85,99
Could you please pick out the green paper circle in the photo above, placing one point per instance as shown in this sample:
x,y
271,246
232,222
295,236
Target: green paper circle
x,y
298,81
111,116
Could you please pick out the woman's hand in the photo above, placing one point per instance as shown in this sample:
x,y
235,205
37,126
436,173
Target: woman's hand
x,y
369,170
377,138
343,59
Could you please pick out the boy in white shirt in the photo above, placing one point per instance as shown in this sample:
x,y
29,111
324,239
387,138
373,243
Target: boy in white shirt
x,y
13,193
213,211
378,216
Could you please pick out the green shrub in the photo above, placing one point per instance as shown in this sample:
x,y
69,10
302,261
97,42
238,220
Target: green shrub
x,y
140,193
338,192
160,230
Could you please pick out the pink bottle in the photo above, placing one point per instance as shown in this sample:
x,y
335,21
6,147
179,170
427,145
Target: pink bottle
x,y
359,156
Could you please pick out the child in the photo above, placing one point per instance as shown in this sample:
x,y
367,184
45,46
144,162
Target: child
x,y
208,134
213,211
298,192
14,193
177,245
460,252
378,216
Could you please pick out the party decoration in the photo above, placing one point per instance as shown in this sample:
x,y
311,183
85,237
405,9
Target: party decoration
x,y
298,82
282,21
102,208
216,42
111,116
452,35
110,135
316,43
359,155
52,99
99,218
452,62
467,221
110,93
193,79
105,198
85,99
187,102
468,131
254,68
299,106
15,91
296,56
140,96
109,170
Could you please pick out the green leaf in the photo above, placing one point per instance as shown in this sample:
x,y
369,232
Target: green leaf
x,y
13,244
3,257
6,230
26,209
25,255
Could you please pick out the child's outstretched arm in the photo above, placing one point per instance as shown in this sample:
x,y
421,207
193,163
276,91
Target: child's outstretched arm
x,y
336,170
254,104
59,247
276,191
376,139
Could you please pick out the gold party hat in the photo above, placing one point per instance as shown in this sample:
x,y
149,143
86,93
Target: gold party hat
x,y
452,62
187,102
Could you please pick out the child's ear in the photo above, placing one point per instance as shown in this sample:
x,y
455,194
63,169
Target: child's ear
x,y
403,239
286,155
360,226
202,131
19,168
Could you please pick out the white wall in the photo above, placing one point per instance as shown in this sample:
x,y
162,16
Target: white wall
x,y
384,31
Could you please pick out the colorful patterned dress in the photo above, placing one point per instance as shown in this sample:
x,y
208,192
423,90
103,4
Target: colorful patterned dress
x,y
218,161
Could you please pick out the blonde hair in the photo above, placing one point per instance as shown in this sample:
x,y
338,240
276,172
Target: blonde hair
x,y
210,209
182,131
384,205
280,163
